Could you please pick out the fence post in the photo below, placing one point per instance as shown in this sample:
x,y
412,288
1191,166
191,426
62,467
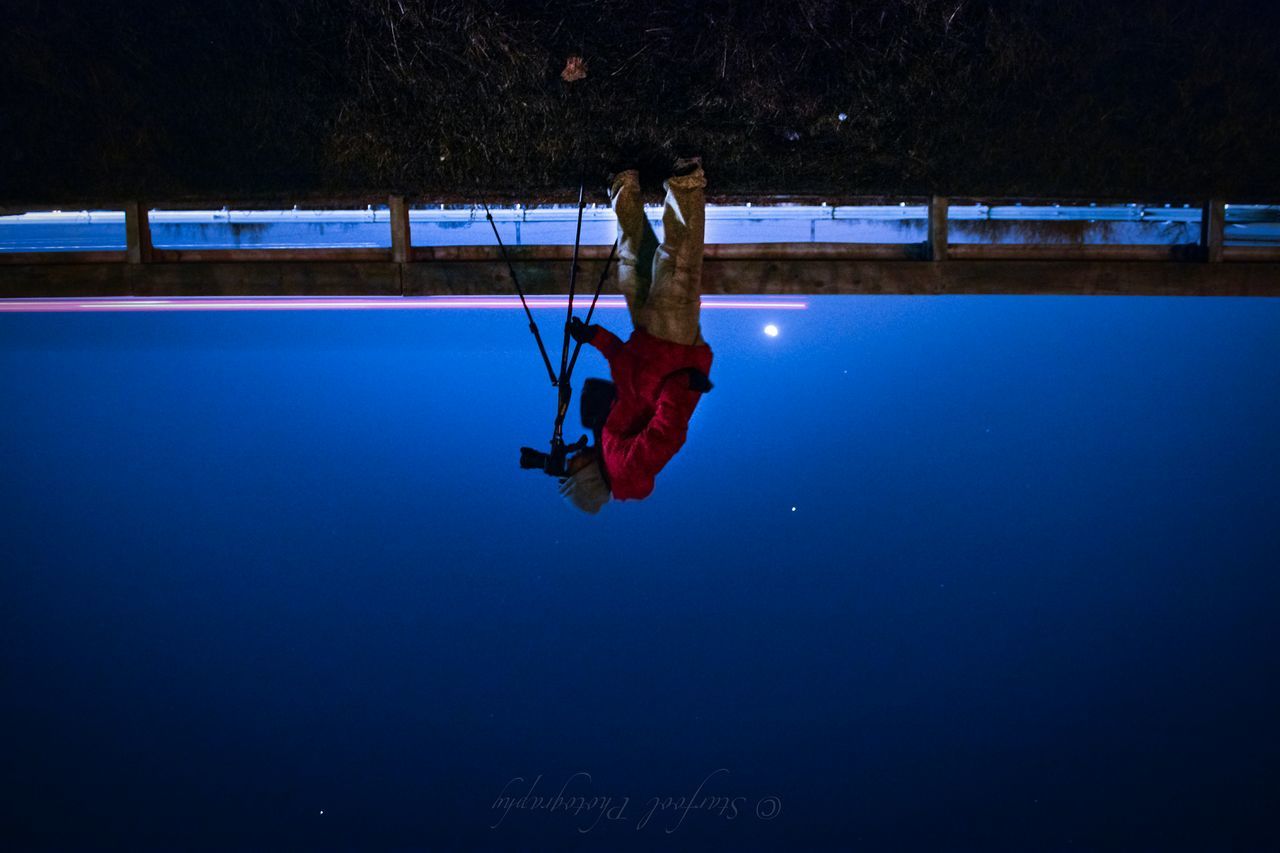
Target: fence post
x,y
938,228
1212,218
400,244
137,230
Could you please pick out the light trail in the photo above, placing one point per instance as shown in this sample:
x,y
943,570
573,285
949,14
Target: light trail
x,y
328,303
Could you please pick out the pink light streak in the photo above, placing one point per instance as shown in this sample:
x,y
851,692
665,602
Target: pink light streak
x,y
362,303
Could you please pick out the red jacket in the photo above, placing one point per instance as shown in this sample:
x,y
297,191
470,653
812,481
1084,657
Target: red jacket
x,y
650,417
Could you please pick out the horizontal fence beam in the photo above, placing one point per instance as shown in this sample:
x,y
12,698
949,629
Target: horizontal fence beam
x,y
1251,253
720,276
1183,252
193,256
16,258
1072,252
361,202
382,204
715,251
569,196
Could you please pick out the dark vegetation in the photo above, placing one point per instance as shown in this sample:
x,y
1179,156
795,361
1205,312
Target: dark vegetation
x,y
1152,99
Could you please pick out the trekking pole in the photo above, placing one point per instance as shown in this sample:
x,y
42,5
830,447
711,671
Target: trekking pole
x,y
573,276
533,326
599,284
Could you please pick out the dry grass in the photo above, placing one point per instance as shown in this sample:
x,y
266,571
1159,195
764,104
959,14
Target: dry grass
x,y
1151,98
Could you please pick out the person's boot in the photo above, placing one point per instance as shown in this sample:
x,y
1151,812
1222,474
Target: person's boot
x,y
619,179
620,157
685,166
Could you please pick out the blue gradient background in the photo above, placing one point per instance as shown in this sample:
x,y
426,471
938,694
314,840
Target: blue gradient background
x,y
261,565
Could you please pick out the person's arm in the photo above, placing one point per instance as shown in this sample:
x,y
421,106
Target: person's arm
x,y
597,336
652,448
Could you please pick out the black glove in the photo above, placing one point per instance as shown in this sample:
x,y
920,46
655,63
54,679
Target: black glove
x,y
698,380
581,332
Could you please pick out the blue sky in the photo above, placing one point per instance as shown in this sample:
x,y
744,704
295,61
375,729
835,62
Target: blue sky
x,y
977,571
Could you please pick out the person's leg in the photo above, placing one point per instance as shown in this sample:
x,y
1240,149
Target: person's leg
x,y
675,298
636,245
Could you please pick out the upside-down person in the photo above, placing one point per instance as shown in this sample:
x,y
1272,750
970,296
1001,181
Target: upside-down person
x,y
660,372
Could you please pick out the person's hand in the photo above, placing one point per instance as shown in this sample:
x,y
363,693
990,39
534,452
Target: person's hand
x,y
581,332
698,380
574,69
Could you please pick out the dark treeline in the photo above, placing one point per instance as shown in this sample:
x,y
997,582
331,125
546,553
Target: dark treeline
x,y
1152,98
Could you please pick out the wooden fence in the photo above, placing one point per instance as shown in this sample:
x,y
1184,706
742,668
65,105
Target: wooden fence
x,y
935,266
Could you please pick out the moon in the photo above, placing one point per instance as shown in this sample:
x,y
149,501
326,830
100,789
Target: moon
x,y
771,330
